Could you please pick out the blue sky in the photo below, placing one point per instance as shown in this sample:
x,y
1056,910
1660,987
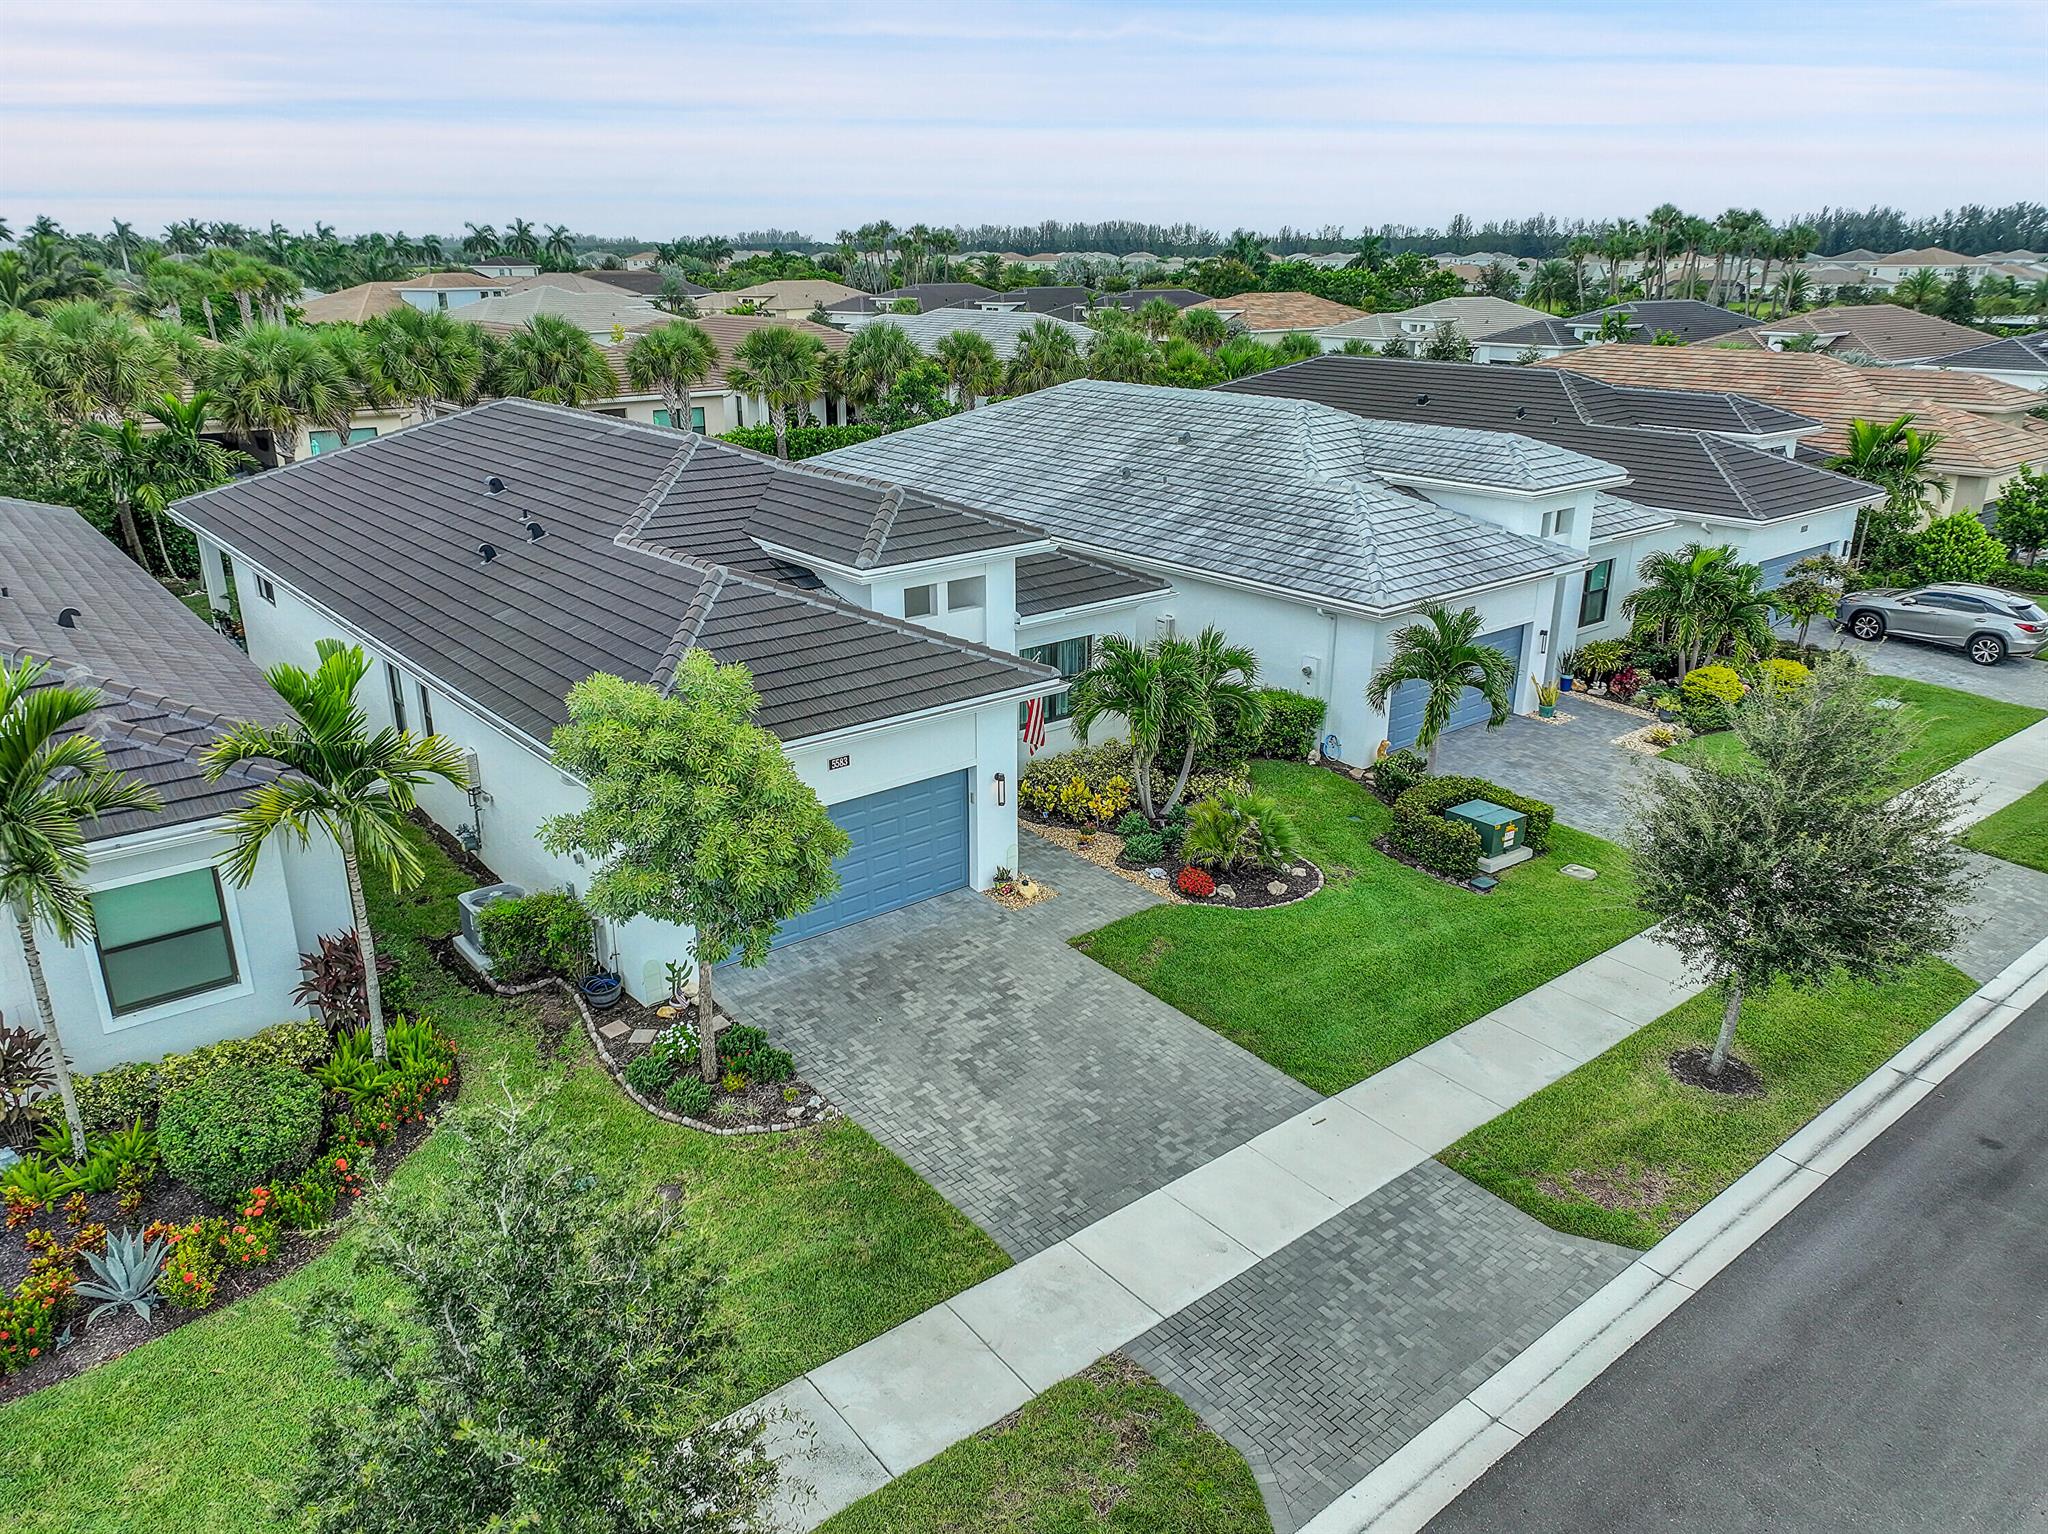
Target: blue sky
x,y
660,119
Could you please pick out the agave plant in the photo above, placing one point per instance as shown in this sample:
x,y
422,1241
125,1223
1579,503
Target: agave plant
x,y
123,1274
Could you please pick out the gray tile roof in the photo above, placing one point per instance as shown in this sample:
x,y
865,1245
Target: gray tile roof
x,y
1614,517
1476,318
929,296
1001,328
1283,493
1671,468
2012,354
1687,318
168,681
645,551
1051,583
1536,333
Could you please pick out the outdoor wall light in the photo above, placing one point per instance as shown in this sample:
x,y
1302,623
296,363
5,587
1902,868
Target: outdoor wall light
x,y
1002,789
1543,641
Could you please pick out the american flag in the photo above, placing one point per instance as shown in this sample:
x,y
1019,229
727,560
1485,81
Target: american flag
x,y
1034,725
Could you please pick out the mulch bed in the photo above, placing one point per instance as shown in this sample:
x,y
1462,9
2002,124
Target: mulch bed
x,y
1738,1077
170,1201
1245,890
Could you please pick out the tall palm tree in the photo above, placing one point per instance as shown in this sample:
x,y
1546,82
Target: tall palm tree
x,y
180,461
552,359
425,355
784,367
1918,290
54,778
1897,458
1624,242
971,365
116,464
1151,688
670,360
275,379
1439,654
1223,695
1124,356
521,240
356,786
558,244
482,240
1046,354
876,357
95,364
1553,286
1155,316
1665,221
122,237
1576,250
1792,290
363,387
1203,327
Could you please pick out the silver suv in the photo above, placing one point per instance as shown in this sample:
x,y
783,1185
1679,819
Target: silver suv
x,y
1985,623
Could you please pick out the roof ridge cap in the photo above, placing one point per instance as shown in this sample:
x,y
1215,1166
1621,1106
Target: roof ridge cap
x,y
879,527
685,637
1713,444
656,493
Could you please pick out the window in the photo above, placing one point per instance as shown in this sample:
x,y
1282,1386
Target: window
x,y
663,418
327,441
920,601
396,684
265,590
426,710
1071,658
1593,604
163,939
964,593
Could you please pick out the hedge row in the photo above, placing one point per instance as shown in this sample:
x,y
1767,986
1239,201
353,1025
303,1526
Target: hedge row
x,y
1289,731
113,1099
804,441
1451,847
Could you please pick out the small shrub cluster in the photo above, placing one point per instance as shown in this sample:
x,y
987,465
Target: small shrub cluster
x,y
334,980
745,1051
1088,785
131,1092
1293,724
200,1253
1207,783
1240,831
232,1129
1195,882
668,1072
28,1317
804,441
1450,847
1397,772
25,1083
545,933
1708,696
1788,676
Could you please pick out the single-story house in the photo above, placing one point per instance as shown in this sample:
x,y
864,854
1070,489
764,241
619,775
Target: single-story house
x,y
182,956
1303,531
1268,316
492,559
597,310
1472,318
927,296
1698,468
1686,318
1886,333
513,270
1075,303
430,290
641,260
1001,328
1903,263
648,284
1985,431
790,299
2021,361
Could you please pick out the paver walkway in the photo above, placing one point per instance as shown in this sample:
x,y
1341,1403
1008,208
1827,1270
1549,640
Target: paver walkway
x,y
1571,763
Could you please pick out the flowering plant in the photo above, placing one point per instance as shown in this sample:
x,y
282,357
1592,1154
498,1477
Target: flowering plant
x,y
28,1317
1196,882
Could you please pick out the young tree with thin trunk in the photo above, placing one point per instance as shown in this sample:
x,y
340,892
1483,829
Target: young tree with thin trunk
x,y
1811,859
1440,654
54,780
695,816
356,785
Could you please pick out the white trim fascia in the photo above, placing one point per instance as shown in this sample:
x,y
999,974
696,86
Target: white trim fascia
x,y
869,575
159,836
1107,605
1705,517
1051,684
1505,492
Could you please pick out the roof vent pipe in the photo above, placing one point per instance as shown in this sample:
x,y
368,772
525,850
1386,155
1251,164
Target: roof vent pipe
x,y
1186,437
68,618
493,485
535,532
1422,399
486,552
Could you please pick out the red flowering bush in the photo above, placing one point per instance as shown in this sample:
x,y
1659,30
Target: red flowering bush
x,y
1195,882
28,1317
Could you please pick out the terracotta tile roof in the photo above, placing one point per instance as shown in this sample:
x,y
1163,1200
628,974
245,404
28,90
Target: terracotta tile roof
x,y
790,293
352,305
1282,311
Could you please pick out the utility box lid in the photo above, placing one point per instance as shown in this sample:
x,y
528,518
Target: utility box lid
x,y
1501,830
1484,812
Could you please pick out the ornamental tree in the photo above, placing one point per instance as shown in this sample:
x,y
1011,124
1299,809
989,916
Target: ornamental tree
x,y
695,815
2023,513
1811,859
545,1363
1957,547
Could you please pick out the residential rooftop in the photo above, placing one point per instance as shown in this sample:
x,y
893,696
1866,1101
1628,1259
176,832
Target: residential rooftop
x,y
1883,332
1281,311
1001,328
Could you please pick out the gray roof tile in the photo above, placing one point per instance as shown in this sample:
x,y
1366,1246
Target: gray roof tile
x,y
1051,583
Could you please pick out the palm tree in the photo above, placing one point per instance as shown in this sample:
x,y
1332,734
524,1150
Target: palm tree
x,y
558,244
482,240
425,355
116,464
876,357
276,379
1299,346
1553,286
1895,457
1204,327
1046,354
95,364
1155,317
1576,250
1665,222
362,386
122,237
784,367
1224,696
1792,290
971,365
1123,356
552,359
1624,242
1918,290
180,461
1439,653
520,239
357,787
1693,597
670,360
1152,688
54,778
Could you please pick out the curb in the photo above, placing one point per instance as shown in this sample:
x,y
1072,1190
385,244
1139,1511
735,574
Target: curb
x,y
1427,1473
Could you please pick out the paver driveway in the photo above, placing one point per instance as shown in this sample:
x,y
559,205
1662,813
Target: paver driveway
x,y
1033,1088
2015,681
1570,762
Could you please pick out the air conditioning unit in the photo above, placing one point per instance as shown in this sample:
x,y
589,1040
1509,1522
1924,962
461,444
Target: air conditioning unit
x,y
1162,626
473,903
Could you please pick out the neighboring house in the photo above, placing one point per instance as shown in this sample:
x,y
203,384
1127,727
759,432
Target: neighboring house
x,y
1001,328
1700,468
1304,532
431,290
597,310
715,406
183,957
1268,316
1903,263
1135,299
851,312
1887,333
648,284
1686,318
1062,301
493,559
1985,432
641,261
509,269
790,299
1827,279
2021,361
1473,318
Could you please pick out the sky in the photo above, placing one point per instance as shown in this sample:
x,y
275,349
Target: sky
x,y
666,119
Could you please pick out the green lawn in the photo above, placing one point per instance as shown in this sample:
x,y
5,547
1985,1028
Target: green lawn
x,y
1619,1150
2018,833
1106,1450
1952,725
200,604
826,1237
1384,960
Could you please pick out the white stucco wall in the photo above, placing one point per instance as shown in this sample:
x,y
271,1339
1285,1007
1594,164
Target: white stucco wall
x,y
1133,621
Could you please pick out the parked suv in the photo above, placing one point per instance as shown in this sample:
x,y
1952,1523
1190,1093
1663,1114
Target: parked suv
x,y
1985,623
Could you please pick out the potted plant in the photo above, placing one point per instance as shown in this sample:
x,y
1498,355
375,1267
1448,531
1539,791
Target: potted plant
x,y
602,990
1567,668
1546,699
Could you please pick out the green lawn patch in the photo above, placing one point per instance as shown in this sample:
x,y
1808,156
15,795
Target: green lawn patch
x,y
826,1237
1951,725
1107,1450
2018,833
1620,1151
1385,959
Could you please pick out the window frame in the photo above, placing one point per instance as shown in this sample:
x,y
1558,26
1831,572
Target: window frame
x,y
1605,592
394,686
1059,705
931,598
266,590
225,923
426,710
980,599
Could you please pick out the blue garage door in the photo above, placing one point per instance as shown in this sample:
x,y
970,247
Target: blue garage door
x,y
1775,570
909,844
1404,712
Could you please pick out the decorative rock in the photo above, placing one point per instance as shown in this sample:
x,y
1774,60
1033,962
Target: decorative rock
x,y
613,1030
1579,871
1225,892
1358,774
814,1101
1155,873
1298,871
1276,888
670,1010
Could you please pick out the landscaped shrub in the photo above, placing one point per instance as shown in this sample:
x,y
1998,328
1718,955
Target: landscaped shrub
x,y
334,980
673,1054
1450,847
804,441
546,933
114,1099
1241,831
1208,783
1708,694
25,1083
1196,882
744,1050
1397,772
1956,548
1293,724
1599,659
687,1095
1148,847
1088,785
2021,577
1785,675
1132,823
232,1129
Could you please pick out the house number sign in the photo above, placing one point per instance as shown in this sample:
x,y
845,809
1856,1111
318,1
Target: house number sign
x,y
837,762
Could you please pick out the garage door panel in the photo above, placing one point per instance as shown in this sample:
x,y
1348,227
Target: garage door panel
x,y
909,844
1404,709
1776,570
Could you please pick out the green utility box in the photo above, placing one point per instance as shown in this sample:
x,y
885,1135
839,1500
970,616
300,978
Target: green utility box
x,y
1502,831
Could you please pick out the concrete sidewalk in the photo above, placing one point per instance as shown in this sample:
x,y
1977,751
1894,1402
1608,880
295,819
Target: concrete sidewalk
x,y
2004,773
